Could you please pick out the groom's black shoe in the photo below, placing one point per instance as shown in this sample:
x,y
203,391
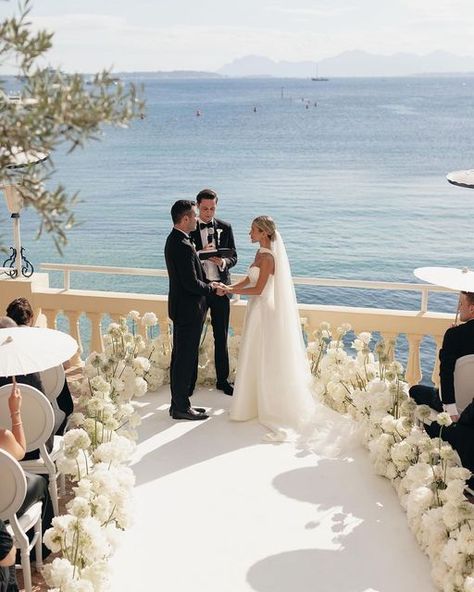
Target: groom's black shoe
x,y
226,387
190,414
198,409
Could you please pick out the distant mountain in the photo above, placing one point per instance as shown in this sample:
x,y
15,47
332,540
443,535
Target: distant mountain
x,y
353,63
175,74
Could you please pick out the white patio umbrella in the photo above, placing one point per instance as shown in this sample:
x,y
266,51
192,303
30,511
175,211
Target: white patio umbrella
x,y
24,350
462,178
461,280
18,158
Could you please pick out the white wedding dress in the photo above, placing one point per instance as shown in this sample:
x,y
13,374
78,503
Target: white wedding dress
x,y
273,381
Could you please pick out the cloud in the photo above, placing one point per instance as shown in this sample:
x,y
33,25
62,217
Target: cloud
x,y
327,10
89,42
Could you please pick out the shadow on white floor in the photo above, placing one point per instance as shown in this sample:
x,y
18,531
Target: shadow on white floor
x,y
218,510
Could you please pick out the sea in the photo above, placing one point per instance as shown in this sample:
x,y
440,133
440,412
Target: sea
x,y
353,170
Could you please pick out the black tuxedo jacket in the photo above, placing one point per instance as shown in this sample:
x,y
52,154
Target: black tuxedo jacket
x,y
224,239
457,342
187,285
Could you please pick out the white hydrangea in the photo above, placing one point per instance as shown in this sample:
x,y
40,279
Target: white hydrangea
x,y
58,573
149,319
79,507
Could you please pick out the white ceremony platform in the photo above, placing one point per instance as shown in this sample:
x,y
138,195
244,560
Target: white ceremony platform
x,y
218,510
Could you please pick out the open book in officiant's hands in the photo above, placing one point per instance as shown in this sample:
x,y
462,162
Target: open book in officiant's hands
x,y
208,253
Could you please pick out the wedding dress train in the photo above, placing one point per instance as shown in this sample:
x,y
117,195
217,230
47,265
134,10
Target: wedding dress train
x,y
273,381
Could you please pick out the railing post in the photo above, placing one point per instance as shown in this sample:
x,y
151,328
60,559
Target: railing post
x,y
424,299
75,332
67,279
435,375
164,325
413,373
50,318
390,338
96,332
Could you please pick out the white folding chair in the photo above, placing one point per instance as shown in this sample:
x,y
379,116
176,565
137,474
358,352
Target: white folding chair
x,y
464,381
38,423
12,495
53,380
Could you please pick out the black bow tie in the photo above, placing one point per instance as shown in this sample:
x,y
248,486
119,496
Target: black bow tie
x,y
203,225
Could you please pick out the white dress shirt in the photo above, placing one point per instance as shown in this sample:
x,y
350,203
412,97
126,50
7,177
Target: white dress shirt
x,y
210,269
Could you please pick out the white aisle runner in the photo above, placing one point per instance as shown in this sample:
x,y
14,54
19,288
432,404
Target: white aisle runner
x,y
217,510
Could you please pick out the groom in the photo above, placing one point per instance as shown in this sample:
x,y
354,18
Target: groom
x,y
212,233
187,308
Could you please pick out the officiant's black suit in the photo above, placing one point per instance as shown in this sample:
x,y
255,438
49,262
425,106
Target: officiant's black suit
x,y
219,305
187,309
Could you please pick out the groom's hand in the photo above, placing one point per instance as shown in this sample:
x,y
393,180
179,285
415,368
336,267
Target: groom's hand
x,y
220,288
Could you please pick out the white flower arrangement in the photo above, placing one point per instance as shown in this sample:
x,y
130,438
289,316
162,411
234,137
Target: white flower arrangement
x,y
369,386
425,472
94,454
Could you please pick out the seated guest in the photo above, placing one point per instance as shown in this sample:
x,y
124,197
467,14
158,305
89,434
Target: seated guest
x,y
458,341
7,561
21,312
14,442
33,380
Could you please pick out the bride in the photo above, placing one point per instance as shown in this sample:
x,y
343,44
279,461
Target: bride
x,y
273,381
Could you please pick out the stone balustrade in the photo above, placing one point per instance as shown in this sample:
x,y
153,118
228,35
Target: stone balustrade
x,y
48,303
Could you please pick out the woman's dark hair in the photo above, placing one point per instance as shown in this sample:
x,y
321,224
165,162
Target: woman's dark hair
x,y
20,311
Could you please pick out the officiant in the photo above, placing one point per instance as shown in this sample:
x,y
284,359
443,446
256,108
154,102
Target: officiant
x,y
212,233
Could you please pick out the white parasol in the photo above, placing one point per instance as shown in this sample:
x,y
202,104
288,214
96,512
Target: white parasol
x,y
462,178
19,158
24,350
461,280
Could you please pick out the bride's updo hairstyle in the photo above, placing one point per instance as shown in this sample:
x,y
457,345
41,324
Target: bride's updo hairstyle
x,y
266,225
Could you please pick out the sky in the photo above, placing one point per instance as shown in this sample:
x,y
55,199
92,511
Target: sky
x,y
128,35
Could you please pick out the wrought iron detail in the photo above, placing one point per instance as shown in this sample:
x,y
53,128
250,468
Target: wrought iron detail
x,y
27,268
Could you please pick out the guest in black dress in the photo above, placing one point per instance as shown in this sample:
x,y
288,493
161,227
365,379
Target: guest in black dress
x,y
7,561
21,312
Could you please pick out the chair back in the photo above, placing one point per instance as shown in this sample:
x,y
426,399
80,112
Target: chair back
x,y
36,413
464,381
13,489
52,380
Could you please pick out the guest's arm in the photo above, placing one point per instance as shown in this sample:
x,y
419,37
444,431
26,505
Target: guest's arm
x,y
14,441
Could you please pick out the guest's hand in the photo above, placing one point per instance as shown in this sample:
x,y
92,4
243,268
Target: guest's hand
x,y
14,400
454,418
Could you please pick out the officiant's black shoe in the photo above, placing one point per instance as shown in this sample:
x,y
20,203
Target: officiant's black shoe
x,y
198,409
190,414
226,387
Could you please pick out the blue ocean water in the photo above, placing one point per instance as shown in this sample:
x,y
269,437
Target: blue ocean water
x,y
352,170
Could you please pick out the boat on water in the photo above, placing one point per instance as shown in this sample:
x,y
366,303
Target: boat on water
x,y
319,78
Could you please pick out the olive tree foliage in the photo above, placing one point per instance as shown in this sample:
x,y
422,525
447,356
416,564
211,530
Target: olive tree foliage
x,y
56,109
